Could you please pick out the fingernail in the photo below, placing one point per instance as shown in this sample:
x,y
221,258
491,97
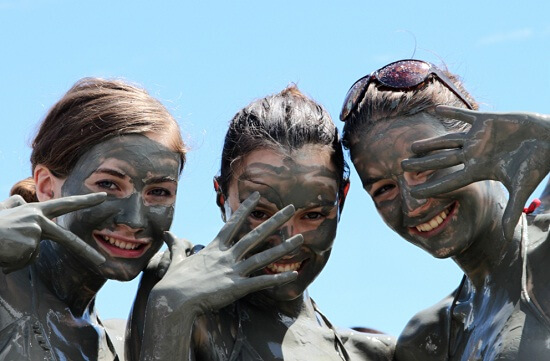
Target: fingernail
x,y
296,240
288,210
97,258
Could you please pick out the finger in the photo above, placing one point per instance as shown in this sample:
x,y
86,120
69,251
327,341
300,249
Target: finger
x,y
268,256
258,234
448,183
176,246
164,263
23,263
51,231
12,202
231,227
59,206
258,283
439,160
465,115
449,141
153,264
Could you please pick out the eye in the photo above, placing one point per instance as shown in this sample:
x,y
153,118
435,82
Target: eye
x,y
313,216
107,185
383,189
259,215
160,192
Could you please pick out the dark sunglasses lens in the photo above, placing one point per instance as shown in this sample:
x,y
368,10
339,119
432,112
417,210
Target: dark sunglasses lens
x,y
352,97
403,74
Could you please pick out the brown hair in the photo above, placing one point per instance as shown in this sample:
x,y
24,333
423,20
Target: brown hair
x,y
289,120
381,103
92,111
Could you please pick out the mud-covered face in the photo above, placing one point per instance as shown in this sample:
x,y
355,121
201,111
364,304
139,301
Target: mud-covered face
x,y
444,226
305,178
140,177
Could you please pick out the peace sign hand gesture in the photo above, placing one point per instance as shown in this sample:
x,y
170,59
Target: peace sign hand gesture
x,y
23,225
512,148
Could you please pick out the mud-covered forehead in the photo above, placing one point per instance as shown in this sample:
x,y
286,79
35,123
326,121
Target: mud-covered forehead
x,y
389,141
136,156
291,183
290,179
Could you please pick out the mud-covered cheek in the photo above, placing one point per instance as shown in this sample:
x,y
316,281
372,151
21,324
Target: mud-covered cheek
x,y
85,221
161,216
321,239
391,213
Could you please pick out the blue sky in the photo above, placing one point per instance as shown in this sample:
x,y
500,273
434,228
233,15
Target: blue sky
x,y
206,60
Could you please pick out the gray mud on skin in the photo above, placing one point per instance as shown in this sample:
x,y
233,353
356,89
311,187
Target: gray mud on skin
x,y
486,317
47,308
290,327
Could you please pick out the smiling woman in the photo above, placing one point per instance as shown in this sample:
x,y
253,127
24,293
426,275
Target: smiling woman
x,y
285,148
281,190
105,162
432,172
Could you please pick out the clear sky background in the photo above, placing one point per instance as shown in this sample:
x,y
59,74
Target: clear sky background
x,y
207,60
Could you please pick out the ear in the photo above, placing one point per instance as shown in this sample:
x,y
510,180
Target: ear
x,y
220,198
47,185
343,195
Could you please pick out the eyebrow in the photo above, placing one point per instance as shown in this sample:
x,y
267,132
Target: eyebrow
x,y
114,173
162,179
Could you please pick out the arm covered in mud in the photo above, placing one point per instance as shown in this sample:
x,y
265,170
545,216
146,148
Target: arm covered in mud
x,y
213,278
426,336
512,148
23,225
368,346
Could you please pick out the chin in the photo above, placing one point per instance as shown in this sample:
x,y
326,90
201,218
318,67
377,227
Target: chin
x,y
283,293
120,274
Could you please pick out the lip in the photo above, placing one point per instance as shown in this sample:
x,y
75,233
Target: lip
x,y
453,208
286,265
142,245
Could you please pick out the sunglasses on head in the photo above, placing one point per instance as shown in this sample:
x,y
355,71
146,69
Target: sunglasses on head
x,y
405,74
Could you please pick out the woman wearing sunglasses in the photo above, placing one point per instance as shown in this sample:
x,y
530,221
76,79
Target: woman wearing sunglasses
x,y
432,165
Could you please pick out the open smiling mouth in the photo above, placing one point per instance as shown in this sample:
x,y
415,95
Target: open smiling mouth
x,y
437,223
119,247
284,266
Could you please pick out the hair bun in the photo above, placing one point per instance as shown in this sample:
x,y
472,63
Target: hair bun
x,y
26,188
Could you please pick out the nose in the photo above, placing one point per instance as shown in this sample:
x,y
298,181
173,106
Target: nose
x,y
132,212
411,206
286,231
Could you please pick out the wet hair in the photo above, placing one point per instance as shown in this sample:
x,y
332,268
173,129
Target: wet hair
x,y
382,103
93,111
287,120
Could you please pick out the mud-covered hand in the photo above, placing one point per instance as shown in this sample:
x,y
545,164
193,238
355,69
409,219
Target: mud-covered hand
x,y
23,225
215,277
512,148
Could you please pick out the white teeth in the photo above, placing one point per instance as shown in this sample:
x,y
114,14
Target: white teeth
x,y
433,223
120,244
279,268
